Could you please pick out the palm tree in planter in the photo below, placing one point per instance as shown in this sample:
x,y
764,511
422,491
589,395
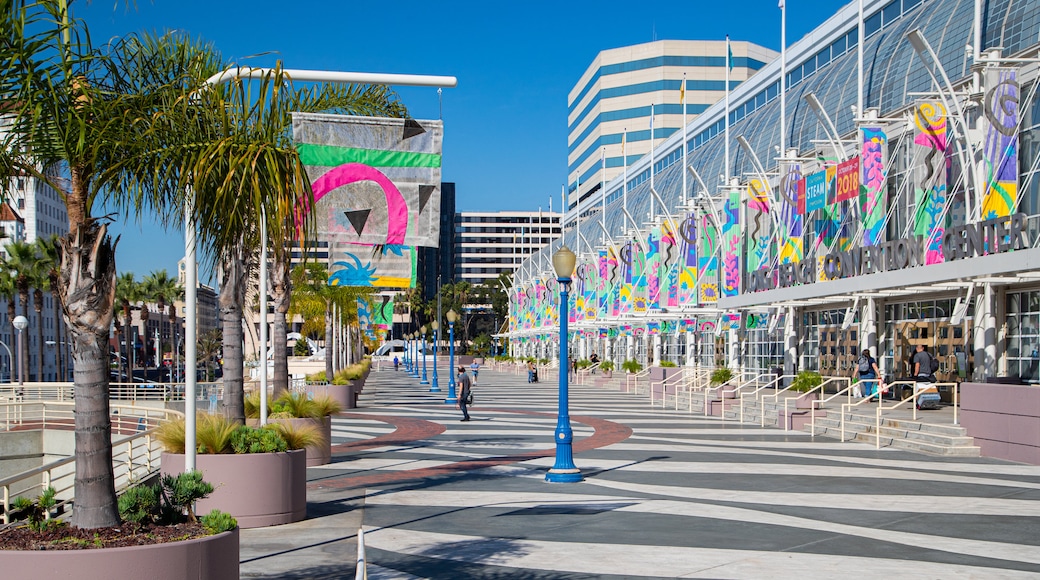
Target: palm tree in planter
x,y
721,377
299,409
607,367
98,112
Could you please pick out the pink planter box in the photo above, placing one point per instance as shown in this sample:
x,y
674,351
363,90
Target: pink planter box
x,y
210,558
259,489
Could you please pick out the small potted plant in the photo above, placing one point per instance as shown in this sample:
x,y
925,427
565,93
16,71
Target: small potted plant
x,y
631,366
721,377
607,367
804,382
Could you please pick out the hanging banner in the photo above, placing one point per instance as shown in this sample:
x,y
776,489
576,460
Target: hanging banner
x,y
653,282
759,226
668,266
847,186
731,244
627,259
815,191
382,312
872,191
930,177
640,283
372,266
1000,153
708,260
791,250
616,280
687,266
376,180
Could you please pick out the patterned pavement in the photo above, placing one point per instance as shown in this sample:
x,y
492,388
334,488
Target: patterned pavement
x,y
666,495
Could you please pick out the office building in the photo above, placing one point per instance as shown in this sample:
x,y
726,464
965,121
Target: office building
x,y
491,243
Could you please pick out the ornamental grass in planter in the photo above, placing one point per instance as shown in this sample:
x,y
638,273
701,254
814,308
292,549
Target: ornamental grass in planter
x,y
300,409
159,534
259,474
804,382
721,377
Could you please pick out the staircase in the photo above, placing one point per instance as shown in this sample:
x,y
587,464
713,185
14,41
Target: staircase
x,y
917,436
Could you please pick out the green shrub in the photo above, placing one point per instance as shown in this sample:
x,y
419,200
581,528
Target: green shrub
x,y
298,436
140,505
34,511
251,440
667,364
582,364
318,377
631,366
326,405
606,365
217,522
806,381
183,490
294,405
721,375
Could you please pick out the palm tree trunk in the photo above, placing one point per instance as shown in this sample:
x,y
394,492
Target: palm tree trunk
x,y
87,283
38,308
58,342
330,347
232,297
281,294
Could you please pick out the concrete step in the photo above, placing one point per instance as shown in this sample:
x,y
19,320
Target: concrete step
x,y
898,439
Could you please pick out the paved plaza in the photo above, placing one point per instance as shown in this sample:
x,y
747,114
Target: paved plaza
x,y
666,495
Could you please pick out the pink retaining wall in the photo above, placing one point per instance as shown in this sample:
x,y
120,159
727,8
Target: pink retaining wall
x,y
1003,419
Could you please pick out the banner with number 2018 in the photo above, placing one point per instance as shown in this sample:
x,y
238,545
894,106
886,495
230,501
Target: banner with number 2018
x,y
847,186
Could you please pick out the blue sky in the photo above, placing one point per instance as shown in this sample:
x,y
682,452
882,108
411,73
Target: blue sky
x,y
505,142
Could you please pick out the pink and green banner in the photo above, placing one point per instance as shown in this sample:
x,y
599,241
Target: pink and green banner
x,y
931,175
873,158
731,244
1000,151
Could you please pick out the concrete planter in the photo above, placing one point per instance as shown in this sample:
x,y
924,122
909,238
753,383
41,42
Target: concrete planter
x,y
345,395
319,454
806,400
259,489
209,558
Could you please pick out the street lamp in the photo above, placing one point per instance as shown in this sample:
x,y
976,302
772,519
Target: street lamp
x,y
435,388
20,322
422,332
452,317
564,470
408,353
415,354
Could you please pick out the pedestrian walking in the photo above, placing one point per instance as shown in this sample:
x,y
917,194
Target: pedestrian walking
x,y
475,369
465,393
868,373
397,362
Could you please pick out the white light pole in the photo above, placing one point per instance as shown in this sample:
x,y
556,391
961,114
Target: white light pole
x,y
10,357
191,227
20,323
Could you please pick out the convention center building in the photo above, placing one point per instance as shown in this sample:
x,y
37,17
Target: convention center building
x,y
877,186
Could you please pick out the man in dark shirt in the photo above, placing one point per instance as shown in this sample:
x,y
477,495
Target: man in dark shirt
x,y
922,363
465,388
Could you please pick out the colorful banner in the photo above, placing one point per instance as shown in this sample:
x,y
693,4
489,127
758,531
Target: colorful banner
x,y
731,244
653,282
930,177
847,186
382,312
640,283
376,180
872,191
791,245
815,191
708,260
668,266
759,226
688,261
1000,153
390,266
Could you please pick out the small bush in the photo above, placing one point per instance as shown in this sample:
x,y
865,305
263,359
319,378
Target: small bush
x,y
806,381
213,433
582,364
301,348
249,440
171,436
606,366
218,522
297,405
140,505
183,490
318,377
667,364
34,511
631,366
721,375
326,405
298,436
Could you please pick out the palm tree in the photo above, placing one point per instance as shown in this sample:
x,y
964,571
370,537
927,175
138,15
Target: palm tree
x,y
51,255
23,262
128,291
8,292
161,288
209,347
100,112
312,298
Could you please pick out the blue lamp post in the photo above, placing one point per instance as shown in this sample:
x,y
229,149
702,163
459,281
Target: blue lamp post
x,y
422,333
407,353
415,354
564,470
435,388
452,397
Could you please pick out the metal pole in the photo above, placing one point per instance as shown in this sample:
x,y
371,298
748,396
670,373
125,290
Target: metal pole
x,y
564,470
452,397
263,317
435,388
424,380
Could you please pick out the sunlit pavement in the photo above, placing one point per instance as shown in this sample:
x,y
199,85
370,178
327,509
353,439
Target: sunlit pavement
x,y
665,495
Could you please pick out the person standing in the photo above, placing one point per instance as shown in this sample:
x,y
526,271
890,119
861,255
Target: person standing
x,y
868,372
397,362
475,369
922,364
465,393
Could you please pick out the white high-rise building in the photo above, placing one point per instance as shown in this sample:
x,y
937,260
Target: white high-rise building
x,y
489,243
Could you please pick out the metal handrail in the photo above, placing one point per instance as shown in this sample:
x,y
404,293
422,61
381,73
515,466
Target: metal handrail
x,y
915,394
664,385
691,376
134,457
117,391
634,378
771,384
740,393
585,372
847,391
